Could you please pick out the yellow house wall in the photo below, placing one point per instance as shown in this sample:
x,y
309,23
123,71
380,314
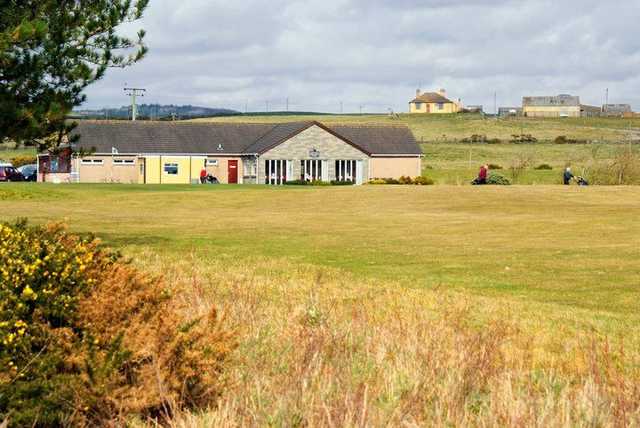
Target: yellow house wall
x,y
152,169
395,167
184,170
447,108
107,172
551,111
197,162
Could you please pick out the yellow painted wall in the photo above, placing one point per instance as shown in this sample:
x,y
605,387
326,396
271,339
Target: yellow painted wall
x,y
447,108
197,163
152,169
184,170
551,111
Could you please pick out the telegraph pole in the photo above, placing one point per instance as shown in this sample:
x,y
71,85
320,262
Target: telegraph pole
x,y
133,93
341,108
287,103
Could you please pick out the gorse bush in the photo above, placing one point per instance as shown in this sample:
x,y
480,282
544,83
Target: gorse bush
x,y
19,161
497,179
86,340
420,180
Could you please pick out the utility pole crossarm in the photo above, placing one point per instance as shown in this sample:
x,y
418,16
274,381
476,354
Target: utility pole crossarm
x,y
133,93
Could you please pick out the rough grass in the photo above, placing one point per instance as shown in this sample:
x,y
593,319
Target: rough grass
x,y
446,128
393,305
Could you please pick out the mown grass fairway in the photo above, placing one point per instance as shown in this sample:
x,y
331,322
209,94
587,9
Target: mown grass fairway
x,y
392,305
549,245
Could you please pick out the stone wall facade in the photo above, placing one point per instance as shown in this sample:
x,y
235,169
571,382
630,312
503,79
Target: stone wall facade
x,y
325,147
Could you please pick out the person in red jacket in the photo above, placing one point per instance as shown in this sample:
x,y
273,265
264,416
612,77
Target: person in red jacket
x,y
203,175
482,175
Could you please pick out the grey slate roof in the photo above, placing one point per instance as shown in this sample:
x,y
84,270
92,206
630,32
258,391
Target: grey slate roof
x,y
230,138
559,100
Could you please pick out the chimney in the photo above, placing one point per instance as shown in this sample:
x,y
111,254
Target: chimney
x,y
442,92
417,93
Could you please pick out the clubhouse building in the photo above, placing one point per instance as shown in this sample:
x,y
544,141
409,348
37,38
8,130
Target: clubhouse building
x,y
176,153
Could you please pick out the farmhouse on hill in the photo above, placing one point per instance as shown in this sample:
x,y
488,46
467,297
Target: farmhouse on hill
x,y
433,103
557,106
175,153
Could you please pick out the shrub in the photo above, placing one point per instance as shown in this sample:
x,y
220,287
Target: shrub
x,y
405,180
544,167
562,139
623,169
423,181
494,166
475,138
497,179
391,181
342,183
377,181
297,183
19,161
523,138
85,339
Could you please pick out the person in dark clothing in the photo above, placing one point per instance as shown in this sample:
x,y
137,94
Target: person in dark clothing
x,y
567,176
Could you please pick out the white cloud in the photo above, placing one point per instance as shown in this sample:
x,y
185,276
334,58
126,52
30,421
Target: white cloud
x,y
375,52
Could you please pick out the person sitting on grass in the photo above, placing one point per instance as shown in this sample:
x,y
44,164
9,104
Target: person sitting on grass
x,y
567,176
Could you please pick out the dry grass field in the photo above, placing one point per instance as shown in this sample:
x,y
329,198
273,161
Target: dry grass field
x,y
388,306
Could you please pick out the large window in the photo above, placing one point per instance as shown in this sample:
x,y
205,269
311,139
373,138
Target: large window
x,y
440,106
346,170
171,168
311,170
418,106
277,171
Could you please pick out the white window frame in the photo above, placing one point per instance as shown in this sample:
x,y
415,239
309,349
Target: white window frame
x,y
92,162
213,162
170,164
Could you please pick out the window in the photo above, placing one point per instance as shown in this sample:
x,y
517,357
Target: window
x,y
346,170
121,162
212,162
171,168
91,161
249,167
277,171
311,170
418,106
440,106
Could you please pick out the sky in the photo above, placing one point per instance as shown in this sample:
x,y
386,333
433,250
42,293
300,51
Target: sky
x,y
372,55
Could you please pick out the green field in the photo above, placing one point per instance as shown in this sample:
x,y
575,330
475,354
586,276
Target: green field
x,y
451,128
558,247
452,303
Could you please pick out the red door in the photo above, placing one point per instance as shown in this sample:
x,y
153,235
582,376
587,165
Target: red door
x,y
233,172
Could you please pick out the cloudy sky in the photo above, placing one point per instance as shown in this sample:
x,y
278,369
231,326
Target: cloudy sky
x,y
375,53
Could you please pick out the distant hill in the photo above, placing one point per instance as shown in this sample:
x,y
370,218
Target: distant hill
x,y
153,111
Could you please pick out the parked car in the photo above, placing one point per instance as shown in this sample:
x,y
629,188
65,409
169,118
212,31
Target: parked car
x,y
9,173
29,172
